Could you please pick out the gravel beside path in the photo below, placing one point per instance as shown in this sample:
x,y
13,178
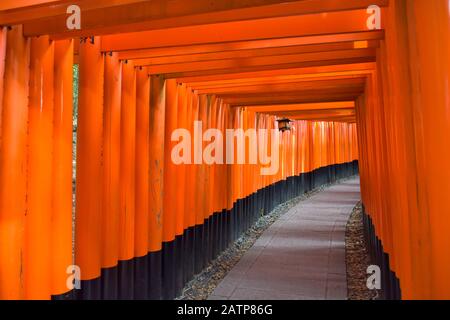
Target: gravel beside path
x,y
357,258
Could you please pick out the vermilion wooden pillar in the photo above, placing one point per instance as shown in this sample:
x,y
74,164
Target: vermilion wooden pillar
x,y
169,195
189,197
181,255
198,111
429,43
127,180
170,185
13,163
156,183
142,162
204,181
111,175
220,176
141,230
190,172
180,169
156,160
206,122
212,188
61,222
3,37
400,225
89,184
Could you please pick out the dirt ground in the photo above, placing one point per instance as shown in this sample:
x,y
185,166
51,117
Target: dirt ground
x,y
357,258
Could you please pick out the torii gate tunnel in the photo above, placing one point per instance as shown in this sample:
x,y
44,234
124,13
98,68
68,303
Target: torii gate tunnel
x,y
153,192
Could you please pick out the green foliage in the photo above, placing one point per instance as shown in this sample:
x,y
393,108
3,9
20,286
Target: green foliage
x,y
75,97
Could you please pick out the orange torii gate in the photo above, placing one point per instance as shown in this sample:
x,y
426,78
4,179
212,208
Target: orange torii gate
x,y
144,225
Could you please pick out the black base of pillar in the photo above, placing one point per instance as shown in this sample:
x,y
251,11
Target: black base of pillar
x,y
390,286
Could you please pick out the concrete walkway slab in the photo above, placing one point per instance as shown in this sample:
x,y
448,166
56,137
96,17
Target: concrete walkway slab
x,y
301,256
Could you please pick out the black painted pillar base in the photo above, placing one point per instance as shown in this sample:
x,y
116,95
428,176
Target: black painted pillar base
x,y
168,270
155,275
390,286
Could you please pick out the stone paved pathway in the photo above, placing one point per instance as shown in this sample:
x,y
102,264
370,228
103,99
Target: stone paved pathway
x,y
301,256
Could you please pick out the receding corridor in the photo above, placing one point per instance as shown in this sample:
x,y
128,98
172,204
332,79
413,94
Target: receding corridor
x,y
142,140
302,255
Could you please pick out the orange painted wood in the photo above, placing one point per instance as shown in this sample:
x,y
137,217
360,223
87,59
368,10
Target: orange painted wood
x,y
156,161
23,11
428,31
142,163
277,27
208,170
111,161
213,189
3,36
89,161
249,62
305,106
14,4
170,184
323,84
210,87
202,193
282,72
251,53
260,66
324,112
37,256
127,220
309,96
61,220
230,66
144,15
180,169
198,110
13,163
191,169
233,47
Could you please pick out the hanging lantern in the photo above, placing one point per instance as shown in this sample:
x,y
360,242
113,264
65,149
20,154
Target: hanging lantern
x,y
284,124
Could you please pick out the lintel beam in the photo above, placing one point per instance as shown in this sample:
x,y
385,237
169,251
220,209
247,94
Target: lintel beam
x,y
268,69
321,113
265,83
159,14
244,30
296,71
355,37
303,106
255,61
290,86
251,53
311,96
